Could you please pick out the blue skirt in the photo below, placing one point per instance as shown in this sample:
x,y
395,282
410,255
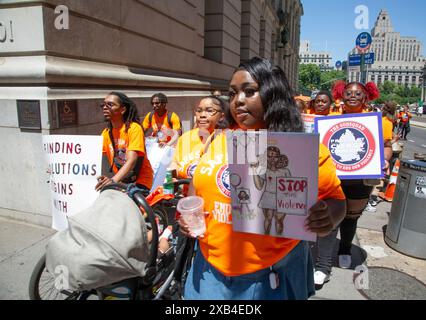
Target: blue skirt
x,y
294,271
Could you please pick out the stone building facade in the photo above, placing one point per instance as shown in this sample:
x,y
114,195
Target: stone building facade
x,y
78,51
320,58
397,58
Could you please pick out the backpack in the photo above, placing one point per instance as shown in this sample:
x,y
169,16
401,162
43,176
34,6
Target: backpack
x,y
169,120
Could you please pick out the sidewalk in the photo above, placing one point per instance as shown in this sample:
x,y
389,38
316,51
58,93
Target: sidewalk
x,y
22,244
418,124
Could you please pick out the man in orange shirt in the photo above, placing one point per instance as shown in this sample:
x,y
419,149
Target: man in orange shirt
x,y
164,125
404,123
124,144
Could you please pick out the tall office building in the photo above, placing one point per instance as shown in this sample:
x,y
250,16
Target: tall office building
x,y
397,58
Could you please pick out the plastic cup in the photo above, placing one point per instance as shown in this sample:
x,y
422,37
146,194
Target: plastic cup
x,y
192,212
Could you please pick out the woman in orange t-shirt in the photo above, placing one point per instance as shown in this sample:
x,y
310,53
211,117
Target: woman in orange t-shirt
x,y
124,144
210,113
355,95
235,265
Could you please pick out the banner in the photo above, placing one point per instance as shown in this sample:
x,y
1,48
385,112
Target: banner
x,y
160,159
274,182
74,163
355,142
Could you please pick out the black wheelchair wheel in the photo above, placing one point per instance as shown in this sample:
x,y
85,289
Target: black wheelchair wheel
x,y
43,287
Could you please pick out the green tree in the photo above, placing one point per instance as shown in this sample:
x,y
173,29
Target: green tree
x,y
387,87
329,77
309,76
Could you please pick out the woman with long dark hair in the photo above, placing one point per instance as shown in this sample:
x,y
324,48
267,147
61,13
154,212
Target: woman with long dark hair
x,y
235,265
124,143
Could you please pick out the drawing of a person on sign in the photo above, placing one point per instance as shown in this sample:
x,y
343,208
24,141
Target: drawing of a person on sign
x,y
266,180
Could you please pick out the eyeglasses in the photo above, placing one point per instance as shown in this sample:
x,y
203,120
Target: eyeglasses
x,y
209,111
248,93
108,104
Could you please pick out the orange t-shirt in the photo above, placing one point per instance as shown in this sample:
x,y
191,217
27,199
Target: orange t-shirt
x,y
237,253
133,140
162,124
335,113
404,116
189,150
387,127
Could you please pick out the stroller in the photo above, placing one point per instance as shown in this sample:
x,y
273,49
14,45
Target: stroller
x,y
123,264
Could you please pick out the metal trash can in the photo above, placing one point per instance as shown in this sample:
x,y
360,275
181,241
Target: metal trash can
x,y
406,230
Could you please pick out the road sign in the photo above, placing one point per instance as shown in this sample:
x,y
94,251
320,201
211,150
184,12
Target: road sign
x,y
363,41
354,69
355,59
338,64
369,58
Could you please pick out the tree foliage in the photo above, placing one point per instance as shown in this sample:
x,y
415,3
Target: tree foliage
x,y
309,76
399,93
329,77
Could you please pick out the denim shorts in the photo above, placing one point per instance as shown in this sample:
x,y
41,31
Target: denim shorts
x,y
295,272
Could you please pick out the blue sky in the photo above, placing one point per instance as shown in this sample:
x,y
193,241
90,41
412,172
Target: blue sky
x,y
330,24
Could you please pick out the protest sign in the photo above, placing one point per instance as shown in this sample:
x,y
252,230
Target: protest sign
x,y
274,182
309,122
74,163
160,159
355,142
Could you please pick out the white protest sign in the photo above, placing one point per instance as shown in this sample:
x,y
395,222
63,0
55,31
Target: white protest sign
x,y
309,122
160,159
74,163
355,142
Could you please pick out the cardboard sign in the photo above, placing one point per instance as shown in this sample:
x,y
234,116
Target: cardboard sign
x,y
309,122
273,180
355,142
74,163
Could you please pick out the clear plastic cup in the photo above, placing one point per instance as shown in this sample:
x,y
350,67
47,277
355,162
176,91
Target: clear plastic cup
x,y
192,211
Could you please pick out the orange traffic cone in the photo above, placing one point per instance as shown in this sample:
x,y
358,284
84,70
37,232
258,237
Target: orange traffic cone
x,y
390,189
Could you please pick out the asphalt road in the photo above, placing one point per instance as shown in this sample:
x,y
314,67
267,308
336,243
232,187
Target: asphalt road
x,y
416,142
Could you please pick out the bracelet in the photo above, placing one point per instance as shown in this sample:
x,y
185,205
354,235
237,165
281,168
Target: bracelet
x,y
112,180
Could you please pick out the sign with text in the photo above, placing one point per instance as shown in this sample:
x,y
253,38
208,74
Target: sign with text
x,y
355,142
74,163
308,122
67,113
21,29
355,59
29,114
273,189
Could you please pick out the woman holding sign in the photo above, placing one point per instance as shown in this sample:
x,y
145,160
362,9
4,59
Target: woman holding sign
x,y
354,95
236,265
124,143
210,113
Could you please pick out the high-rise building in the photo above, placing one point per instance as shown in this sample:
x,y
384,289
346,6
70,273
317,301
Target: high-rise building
x,y
320,58
397,58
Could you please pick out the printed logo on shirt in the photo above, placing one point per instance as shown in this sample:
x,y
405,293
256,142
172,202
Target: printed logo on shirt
x,y
222,181
222,212
351,145
191,169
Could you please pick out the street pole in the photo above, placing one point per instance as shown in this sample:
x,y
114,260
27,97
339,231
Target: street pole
x,y
363,71
424,85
